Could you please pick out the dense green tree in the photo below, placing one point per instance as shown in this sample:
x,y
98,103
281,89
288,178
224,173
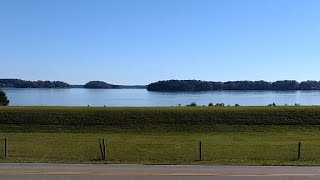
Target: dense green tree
x,y
3,99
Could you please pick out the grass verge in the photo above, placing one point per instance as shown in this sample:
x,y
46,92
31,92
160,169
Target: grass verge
x,y
273,146
230,135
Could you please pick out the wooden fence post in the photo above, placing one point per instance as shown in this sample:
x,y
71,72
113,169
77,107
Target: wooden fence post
x,y
200,151
299,150
101,150
5,147
104,150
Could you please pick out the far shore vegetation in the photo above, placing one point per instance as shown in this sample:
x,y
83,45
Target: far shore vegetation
x,y
19,83
173,85
196,85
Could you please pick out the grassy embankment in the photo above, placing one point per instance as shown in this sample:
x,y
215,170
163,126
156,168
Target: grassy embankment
x,y
230,135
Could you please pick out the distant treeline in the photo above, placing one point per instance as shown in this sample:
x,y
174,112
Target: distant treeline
x,y
18,83
104,85
196,85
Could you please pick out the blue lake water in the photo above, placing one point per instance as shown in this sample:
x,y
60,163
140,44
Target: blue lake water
x,y
142,97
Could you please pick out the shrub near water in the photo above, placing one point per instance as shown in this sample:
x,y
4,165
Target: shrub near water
x,y
157,118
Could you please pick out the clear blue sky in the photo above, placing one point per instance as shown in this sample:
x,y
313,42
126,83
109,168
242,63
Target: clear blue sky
x,y
142,41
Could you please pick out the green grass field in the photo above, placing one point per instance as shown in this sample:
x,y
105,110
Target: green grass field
x,y
274,147
233,136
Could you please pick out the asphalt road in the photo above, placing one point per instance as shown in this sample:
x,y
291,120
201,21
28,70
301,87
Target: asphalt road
x,y
19,171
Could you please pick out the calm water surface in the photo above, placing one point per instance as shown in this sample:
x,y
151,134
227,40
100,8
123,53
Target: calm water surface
x,y
141,97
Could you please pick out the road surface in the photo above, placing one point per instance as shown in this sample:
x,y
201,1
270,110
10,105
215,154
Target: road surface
x,y
10,171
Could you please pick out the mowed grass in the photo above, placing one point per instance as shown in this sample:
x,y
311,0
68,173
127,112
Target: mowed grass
x,y
271,147
162,135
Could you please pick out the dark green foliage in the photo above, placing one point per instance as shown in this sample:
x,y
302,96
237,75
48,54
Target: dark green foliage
x,y
3,99
104,85
210,104
196,85
157,118
18,83
285,85
273,104
98,85
184,85
192,104
310,85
